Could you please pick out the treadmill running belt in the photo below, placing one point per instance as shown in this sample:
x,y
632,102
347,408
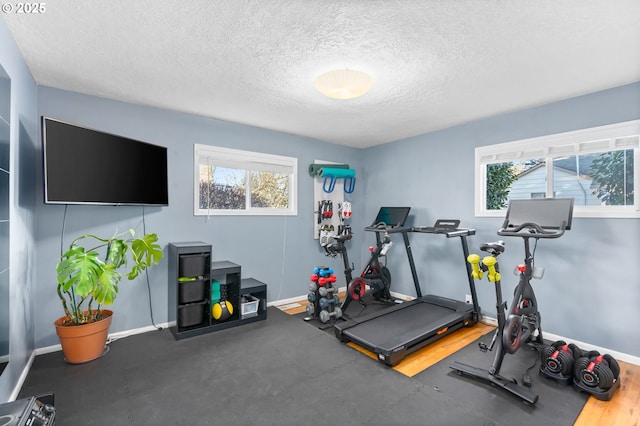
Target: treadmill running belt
x,y
414,322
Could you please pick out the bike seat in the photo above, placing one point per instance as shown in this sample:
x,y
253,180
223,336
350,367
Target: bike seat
x,y
494,249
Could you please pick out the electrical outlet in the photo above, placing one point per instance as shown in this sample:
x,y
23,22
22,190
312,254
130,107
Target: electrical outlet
x,y
468,299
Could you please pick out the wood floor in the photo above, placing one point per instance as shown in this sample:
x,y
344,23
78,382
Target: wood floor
x,y
622,410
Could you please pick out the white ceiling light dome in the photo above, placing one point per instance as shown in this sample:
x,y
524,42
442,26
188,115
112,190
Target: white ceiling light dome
x,y
343,83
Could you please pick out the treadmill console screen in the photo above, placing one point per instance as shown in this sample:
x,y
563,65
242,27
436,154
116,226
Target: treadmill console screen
x,y
392,216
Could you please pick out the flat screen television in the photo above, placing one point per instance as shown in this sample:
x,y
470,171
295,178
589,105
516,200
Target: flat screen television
x,y
85,166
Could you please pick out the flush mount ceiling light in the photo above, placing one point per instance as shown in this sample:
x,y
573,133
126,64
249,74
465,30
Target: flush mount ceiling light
x,y
343,83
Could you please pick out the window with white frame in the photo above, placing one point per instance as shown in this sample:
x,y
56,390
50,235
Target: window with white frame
x,y
594,166
234,182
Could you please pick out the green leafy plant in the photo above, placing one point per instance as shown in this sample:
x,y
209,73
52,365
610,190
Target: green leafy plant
x,y
613,175
500,176
85,279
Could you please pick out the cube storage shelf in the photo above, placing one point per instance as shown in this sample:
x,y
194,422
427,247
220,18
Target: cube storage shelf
x,y
194,280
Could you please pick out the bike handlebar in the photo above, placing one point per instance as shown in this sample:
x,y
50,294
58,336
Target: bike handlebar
x,y
530,229
343,238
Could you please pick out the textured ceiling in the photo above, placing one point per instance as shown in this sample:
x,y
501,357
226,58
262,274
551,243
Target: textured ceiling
x,y
436,63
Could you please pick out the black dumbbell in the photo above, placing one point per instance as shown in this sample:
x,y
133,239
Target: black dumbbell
x,y
597,371
559,357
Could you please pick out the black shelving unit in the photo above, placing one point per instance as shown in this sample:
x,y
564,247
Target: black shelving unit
x,y
257,289
192,276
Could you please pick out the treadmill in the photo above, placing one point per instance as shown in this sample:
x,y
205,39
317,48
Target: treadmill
x,y
395,332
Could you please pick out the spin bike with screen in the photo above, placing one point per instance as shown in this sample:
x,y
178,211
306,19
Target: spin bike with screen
x,y
528,219
375,278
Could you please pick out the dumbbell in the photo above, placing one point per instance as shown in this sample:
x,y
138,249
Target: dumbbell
x,y
327,290
596,371
559,358
325,302
313,286
310,309
322,271
311,297
492,273
325,316
325,280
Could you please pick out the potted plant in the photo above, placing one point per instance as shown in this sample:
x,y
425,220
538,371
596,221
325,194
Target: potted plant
x,y
88,277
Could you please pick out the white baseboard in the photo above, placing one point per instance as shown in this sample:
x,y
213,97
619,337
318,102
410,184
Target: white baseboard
x,y
111,338
489,321
287,301
619,356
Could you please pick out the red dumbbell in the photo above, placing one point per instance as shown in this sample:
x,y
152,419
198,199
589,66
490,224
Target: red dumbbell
x,y
325,280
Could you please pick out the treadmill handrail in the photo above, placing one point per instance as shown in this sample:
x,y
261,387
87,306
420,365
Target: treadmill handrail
x,y
387,229
533,230
458,232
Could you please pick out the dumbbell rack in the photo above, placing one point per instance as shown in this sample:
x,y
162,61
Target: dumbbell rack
x,y
324,304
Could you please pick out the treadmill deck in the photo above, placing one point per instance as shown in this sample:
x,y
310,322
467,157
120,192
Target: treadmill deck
x,y
397,331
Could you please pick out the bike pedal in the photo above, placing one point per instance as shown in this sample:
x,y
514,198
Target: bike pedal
x,y
526,380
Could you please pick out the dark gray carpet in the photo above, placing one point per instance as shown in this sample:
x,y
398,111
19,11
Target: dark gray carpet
x,y
274,372
557,404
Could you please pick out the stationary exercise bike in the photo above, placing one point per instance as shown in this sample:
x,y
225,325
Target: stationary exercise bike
x,y
520,324
337,246
375,278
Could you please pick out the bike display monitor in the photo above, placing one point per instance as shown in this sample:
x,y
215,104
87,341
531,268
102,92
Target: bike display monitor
x,y
392,216
548,213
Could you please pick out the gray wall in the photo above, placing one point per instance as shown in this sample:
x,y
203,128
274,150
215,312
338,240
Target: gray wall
x,y
22,212
277,250
590,289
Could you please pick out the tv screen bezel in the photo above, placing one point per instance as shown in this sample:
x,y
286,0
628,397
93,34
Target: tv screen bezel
x,y
161,201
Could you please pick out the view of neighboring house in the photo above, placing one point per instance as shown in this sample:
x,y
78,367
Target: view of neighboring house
x,y
572,179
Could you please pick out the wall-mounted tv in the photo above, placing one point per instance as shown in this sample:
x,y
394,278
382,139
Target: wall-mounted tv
x,y
85,166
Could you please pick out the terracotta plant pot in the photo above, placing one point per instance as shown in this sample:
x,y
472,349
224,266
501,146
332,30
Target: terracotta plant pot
x,y
84,343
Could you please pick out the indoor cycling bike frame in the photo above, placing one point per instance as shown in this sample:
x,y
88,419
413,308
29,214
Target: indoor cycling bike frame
x,y
521,323
374,270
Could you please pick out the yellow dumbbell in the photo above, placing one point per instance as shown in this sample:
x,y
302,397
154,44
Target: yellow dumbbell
x,y
490,263
474,260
